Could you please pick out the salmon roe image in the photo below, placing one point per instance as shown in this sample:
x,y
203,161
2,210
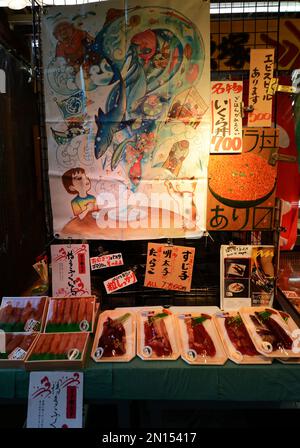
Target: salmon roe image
x,y
244,177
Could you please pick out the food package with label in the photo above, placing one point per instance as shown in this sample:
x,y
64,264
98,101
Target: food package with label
x,y
14,348
115,338
237,342
70,314
57,350
200,342
274,333
157,337
23,314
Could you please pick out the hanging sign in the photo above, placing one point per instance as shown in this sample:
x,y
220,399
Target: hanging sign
x,y
55,400
226,115
120,281
261,74
247,276
169,267
70,270
241,192
106,261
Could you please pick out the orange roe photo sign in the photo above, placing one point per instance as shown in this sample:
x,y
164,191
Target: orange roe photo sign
x,y
241,187
169,267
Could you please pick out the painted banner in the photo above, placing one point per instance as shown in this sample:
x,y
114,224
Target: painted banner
x,y
106,261
120,281
247,276
241,187
261,74
55,400
169,267
127,94
70,270
231,41
226,116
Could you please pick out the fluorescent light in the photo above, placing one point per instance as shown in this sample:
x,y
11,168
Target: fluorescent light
x,y
18,4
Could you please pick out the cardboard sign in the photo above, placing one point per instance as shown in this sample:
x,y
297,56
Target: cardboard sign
x,y
241,194
169,267
247,276
106,261
70,270
55,400
120,281
261,73
226,106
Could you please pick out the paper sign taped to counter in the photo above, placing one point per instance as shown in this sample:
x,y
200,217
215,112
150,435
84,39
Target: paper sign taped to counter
x,y
70,270
261,74
55,400
169,267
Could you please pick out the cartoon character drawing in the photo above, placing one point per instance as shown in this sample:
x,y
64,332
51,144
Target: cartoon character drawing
x,y
73,44
177,155
76,182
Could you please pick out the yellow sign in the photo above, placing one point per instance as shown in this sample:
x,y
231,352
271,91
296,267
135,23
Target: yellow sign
x,y
261,75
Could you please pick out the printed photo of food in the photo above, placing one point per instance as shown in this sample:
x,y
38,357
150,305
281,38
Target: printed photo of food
x,y
237,267
236,287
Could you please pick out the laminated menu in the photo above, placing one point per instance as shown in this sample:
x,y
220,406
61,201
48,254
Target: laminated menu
x,y
156,335
70,314
200,342
274,333
22,314
16,346
57,350
115,337
237,342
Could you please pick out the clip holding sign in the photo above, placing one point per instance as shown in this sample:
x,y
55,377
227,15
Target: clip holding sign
x,y
274,87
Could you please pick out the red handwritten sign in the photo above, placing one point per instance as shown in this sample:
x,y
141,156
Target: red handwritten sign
x,y
119,281
106,261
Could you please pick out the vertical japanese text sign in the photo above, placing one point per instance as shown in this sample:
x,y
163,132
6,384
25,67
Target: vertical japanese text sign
x,y
261,73
169,267
70,270
226,102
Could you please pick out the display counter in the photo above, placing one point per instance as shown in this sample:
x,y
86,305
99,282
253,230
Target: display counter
x,y
166,380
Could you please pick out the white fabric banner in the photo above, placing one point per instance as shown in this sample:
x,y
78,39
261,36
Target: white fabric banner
x,y
127,94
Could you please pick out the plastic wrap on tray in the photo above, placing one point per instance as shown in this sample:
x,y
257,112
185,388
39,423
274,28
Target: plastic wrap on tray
x,y
115,338
16,346
156,335
199,340
70,314
274,333
236,339
22,314
58,346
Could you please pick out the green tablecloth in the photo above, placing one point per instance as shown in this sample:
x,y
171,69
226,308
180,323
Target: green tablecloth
x,y
174,381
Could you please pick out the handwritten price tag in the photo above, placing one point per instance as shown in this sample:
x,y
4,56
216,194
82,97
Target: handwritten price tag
x,y
106,261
